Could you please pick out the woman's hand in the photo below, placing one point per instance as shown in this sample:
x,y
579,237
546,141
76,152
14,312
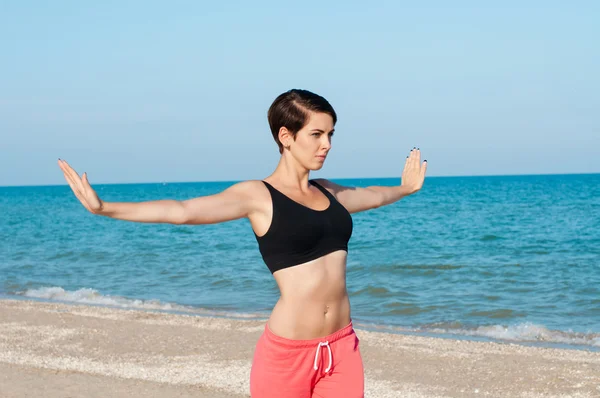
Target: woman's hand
x,y
414,171
81,188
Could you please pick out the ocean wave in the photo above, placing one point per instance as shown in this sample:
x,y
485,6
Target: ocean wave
x,y
93,297
522,332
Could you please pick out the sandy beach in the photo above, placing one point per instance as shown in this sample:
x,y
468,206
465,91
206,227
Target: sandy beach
x,y
60,350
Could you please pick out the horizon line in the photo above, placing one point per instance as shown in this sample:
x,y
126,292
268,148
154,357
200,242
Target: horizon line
x,y
329,178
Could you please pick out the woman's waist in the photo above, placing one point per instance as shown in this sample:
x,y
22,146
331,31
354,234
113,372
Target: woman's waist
x,y
310,318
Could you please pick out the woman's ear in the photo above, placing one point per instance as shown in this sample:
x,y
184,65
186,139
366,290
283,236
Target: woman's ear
x,y
285,137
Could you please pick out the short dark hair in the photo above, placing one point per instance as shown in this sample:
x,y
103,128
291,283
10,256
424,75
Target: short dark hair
x,y
290,110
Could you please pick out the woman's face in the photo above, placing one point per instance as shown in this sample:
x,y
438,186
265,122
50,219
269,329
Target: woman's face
x,y
312,142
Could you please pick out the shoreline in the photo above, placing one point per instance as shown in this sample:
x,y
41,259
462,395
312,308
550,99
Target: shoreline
x,y
380,328
54,347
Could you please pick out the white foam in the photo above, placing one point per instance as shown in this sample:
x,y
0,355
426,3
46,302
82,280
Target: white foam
x,y
93,297
527,332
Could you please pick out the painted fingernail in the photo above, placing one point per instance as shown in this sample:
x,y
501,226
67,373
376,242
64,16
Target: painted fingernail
x,y
425,160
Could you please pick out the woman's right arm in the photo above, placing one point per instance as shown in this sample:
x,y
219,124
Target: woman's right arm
x,y
233,203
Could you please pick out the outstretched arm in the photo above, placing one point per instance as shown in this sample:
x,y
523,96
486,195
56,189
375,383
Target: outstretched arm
x,y
356,199
233,203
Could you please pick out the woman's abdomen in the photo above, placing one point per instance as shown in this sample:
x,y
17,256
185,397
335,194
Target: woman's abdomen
x,y
314,301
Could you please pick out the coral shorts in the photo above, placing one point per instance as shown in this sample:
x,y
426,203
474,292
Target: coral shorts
x,y
327,367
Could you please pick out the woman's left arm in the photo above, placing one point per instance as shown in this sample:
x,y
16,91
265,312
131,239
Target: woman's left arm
x,y
356,199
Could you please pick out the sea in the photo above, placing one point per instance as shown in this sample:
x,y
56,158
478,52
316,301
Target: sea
x,y
511,259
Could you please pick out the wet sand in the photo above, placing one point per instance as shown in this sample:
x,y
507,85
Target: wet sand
x,y
59,350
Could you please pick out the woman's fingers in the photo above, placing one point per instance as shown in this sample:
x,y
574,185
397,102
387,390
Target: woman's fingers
x,y
78,193
414,158
72,183
418,158
409,162
68,172
71,172
77,184
76,180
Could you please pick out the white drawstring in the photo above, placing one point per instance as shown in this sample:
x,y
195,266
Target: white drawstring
x,y
317,355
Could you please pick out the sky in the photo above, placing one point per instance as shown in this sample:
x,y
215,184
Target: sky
x,y
148,91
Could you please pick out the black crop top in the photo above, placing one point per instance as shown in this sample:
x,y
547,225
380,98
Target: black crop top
x,y
299,234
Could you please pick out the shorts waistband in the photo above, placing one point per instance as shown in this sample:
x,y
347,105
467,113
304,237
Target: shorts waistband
x,y
291,343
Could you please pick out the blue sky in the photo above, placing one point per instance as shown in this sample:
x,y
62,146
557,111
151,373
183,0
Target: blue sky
x,y
142,91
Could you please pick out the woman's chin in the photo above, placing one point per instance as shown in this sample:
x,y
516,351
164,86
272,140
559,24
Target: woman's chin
x,y
317,166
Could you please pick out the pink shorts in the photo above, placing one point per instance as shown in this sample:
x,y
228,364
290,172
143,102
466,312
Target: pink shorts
x,y
326,367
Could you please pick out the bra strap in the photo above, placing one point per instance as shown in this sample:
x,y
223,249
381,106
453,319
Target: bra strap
x,y
322,189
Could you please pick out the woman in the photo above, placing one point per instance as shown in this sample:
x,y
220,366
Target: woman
x,y
302,226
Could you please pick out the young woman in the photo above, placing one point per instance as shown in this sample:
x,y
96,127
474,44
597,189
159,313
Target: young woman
x,y
308,348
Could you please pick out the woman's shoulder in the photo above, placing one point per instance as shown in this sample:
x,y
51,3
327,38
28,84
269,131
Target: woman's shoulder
x,y
252,189
254,193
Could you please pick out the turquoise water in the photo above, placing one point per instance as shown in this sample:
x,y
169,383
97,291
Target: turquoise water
x,y
513,258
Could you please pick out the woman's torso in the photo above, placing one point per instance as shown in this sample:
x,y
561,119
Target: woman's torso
x,y
303,240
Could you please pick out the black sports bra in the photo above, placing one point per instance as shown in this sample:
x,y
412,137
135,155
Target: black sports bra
x,y
299,234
